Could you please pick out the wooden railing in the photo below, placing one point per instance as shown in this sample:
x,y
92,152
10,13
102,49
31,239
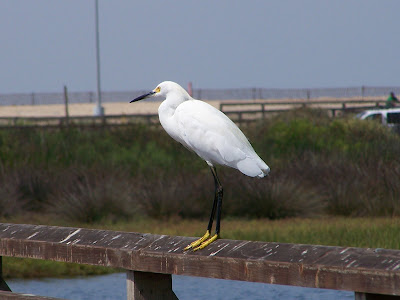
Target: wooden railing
x,y
150,259
328,104
239,111
245,112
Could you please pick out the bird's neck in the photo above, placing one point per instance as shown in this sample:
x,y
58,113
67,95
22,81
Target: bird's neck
x,y
166,113
172,101
166,110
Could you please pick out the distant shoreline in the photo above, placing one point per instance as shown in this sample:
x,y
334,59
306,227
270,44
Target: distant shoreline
x,y
83,109
116,108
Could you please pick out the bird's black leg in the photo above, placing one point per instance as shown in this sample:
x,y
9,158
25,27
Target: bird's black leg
x,y
219,193
216,208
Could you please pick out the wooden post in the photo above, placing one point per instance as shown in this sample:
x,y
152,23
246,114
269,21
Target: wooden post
x,y
66,105
366,296
149,286
263,110
362,92
3,285
190,89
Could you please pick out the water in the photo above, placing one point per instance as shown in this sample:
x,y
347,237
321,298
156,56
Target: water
x,y
113,286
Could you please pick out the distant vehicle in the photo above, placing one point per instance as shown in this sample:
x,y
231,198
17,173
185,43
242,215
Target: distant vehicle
x,y
387,117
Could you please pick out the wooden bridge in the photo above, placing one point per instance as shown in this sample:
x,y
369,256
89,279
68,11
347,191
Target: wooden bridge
x,y
150,259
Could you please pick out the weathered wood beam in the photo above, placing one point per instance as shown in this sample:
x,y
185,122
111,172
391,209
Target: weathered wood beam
x,y
364,296
149,286
373,271
3,285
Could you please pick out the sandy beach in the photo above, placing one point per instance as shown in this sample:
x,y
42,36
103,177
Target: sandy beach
x,y
143,107
82,109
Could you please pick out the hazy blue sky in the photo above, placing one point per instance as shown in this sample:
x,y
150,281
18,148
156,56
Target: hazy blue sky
x,y
215,44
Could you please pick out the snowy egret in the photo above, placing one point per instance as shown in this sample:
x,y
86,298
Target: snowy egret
x,y
211,135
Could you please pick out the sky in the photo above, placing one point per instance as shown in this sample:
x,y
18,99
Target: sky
x,y
46,44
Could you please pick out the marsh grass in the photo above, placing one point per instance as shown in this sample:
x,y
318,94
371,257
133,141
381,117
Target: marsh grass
x,y
346,232
33,268
91,196
278,197
183,195
319,166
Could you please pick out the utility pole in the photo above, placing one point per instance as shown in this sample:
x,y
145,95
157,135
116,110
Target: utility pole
x,y
98,110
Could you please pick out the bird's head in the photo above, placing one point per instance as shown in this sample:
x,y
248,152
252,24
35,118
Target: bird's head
x,y
164,89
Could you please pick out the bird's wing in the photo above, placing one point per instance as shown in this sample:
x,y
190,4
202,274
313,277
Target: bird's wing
x,y
211,134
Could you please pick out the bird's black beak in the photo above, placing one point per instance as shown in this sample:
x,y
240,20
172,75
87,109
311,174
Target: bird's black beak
x,y
143,96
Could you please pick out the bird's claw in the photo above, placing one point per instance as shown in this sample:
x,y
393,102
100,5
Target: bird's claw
x,y
202,242
206,242
198,242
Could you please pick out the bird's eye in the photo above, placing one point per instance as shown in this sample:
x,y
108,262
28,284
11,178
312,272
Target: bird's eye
x,y
157,90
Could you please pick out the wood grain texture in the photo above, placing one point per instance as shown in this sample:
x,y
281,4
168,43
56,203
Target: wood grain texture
x,y
374,271
149,286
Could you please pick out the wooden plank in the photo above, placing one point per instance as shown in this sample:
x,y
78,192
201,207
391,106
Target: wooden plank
x,y
18,296
3,285
149,286
374,271
364,296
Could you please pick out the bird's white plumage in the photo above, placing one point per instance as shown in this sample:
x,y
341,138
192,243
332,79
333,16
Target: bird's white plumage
x,y
207,131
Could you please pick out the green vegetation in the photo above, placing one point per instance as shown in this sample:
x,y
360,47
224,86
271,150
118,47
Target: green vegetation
x,y
32,268
319,166
322,170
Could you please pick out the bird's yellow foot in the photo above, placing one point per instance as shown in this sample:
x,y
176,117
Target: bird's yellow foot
x,y
207,242
198,242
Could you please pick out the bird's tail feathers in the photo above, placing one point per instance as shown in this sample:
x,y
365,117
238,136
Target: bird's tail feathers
x,y
253,167
265,172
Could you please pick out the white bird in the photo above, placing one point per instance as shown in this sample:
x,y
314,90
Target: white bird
x,y
209,133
